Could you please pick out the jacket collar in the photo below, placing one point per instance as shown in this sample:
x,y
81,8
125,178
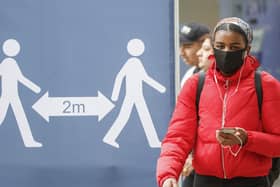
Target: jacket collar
x,y
250,65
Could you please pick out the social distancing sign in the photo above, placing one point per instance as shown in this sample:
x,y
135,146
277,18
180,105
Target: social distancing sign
x,y
86,91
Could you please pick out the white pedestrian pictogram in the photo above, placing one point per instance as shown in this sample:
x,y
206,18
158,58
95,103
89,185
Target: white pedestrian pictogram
x,y
134,74
11,75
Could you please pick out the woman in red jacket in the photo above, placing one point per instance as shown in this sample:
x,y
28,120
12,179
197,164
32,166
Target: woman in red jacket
x,y
232,144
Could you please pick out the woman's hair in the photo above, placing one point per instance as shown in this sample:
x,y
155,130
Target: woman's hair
x,y
233,28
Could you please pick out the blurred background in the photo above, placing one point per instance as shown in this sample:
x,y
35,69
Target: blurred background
x,y
262,14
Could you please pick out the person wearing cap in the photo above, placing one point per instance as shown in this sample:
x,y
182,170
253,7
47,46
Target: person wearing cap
x,y
191,38
233,142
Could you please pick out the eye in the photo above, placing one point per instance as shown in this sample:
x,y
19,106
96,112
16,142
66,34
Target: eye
x,y
187,46
235,48
219,46
207,48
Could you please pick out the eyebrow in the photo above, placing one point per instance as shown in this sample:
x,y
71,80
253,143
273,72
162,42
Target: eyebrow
x,y
187,45
235,43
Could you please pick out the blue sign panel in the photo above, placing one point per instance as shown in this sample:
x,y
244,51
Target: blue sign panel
x,y
87,91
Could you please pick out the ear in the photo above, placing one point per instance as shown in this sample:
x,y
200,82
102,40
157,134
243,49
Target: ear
x,y
248,49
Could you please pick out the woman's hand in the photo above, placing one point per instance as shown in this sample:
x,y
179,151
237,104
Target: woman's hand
x,y
238,136
188,166
170,182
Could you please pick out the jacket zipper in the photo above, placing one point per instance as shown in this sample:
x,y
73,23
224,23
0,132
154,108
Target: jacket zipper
x,y
223,124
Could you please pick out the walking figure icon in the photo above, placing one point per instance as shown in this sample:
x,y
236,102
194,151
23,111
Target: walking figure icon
x,y
134,74
11,75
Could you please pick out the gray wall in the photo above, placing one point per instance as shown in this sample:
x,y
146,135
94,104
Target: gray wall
x,y
202,11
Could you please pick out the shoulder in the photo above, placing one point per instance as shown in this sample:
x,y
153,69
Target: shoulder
x,y
9,60
270,86
133,61
187,75
268,79
190,86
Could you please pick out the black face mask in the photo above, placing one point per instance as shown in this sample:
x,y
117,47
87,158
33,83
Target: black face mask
x,y
228,62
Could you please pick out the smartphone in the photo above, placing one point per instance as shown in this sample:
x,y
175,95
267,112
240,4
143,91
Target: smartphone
x,y
227,131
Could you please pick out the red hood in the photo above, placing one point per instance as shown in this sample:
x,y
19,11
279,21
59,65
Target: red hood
x,y
250,64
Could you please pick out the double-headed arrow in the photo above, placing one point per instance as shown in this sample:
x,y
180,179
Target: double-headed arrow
x,y
73,106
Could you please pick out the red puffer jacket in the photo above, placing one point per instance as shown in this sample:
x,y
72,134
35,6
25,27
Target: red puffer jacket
x,y
235,98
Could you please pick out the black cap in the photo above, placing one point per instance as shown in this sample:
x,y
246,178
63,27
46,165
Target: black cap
x,y
192,32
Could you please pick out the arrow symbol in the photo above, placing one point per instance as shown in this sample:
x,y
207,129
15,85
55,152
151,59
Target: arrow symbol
x,y
73,106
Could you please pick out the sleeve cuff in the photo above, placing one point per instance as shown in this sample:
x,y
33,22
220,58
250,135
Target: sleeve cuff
x,y
250,140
